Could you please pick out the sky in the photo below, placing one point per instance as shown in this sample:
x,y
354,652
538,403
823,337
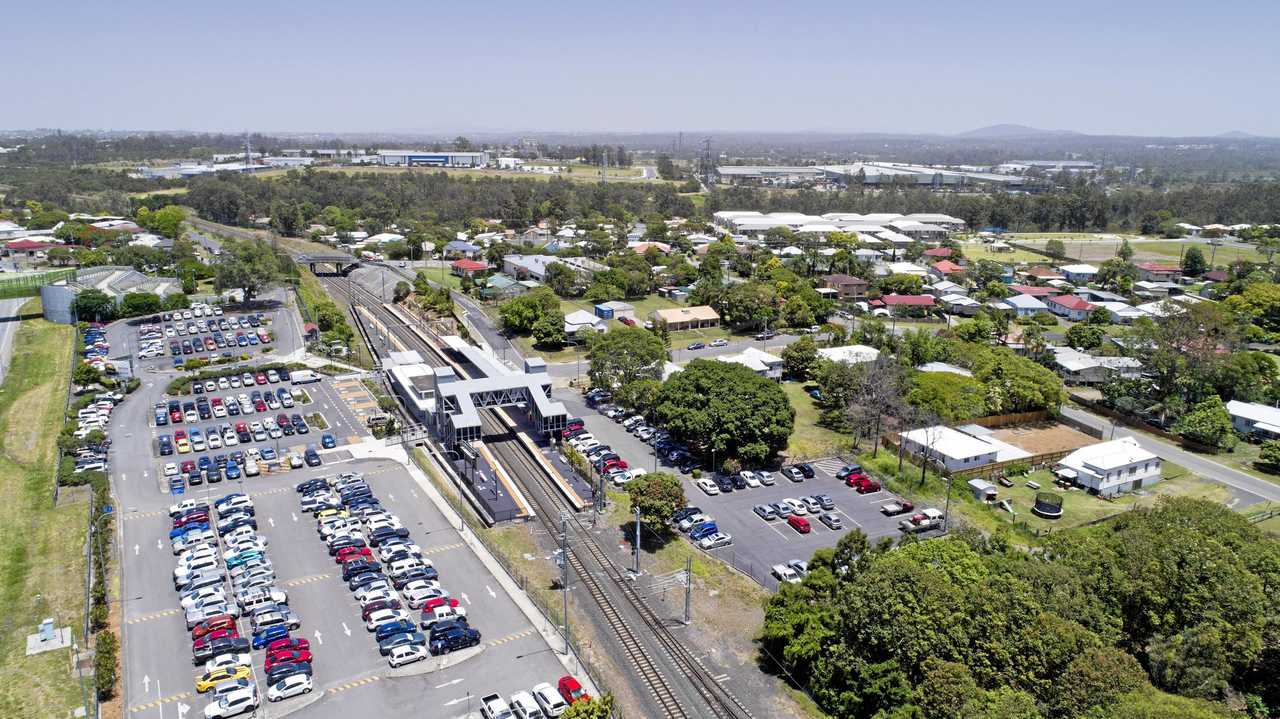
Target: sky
x,y
1134,67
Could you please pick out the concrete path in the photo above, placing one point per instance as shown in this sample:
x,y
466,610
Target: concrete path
x,y
8,330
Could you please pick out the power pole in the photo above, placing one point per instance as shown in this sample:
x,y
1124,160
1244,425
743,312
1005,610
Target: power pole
x,y
635,567
707,168
564,574
688,590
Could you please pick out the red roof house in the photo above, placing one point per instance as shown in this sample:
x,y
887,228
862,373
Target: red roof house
x,y
1070,306
946,267
908,300
1033,291
938,252
465,268
28,245
1157,272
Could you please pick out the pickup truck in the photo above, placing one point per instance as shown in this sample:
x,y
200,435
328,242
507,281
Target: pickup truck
x,y
893,509
785,573
922,522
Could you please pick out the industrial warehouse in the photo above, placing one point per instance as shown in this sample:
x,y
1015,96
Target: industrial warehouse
x,y
868,173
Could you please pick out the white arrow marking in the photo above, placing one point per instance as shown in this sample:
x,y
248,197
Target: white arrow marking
x,y
459,700
159,545
449,683
123,478
319,640
271,521
293,516
391,496
182,710
135,550
345,630
465,598
490,591
146,682
414,493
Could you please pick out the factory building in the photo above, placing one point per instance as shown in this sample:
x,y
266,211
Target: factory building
x,y
425,158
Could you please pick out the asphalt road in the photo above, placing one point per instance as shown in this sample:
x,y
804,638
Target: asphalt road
x,y
1246,488
8,328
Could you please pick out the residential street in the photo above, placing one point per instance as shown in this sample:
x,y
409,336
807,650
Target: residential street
x,y
1247,488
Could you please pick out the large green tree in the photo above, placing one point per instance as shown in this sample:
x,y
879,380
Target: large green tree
x,y
657,495
93,305
800,358
952,397
1208,423
728,409
626,354
250,266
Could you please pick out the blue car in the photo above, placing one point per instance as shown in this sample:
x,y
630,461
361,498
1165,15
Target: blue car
x,y
176,486
177,362
233,470
270,634
705,529
242,557
328,442
268,453
204,462
242,341
391,629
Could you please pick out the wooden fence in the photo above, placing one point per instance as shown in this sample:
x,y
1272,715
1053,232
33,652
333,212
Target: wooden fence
x,y
996,421
1137,423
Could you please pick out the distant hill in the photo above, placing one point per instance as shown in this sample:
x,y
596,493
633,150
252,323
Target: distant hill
x,y
1237,135
1008,131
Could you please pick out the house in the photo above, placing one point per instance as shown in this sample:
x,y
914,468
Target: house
x,y
758,361
641,248
944,367
908,304
1156,288
1081,368
945,268
847,286
999,246
382,237
942,288
960,305
29,246
853,354
579,322
1122,313
1109,468
1041,274
458,248
535,266
1190,229
957,449
615,311
1217,276
907,268
1024,305
1096,296
685,318
1078,274
940,253
468,268
1156,272
1250,418
1070,306
1033,291
982,490
501,287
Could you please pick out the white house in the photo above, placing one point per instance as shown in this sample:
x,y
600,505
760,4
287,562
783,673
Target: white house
x,y
853,354
1078,274
1024,305
942,288
582,321
1073,307
1253,418
1078,367
950,447
1109,468
907,268
1122,313
960,304
758,361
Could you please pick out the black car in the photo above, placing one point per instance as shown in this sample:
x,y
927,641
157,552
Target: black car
x,y
425,573
240,522
382,534
359,566
682,514
218,647
280,671
311,485
390,629
806,470
454,639
343,543
724,483
312,458
445,625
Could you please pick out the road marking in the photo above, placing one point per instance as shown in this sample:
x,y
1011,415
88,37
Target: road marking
x,y
123,477
345,629
459,680
721,678
144,515
136,549
512,637
465,598
154,615
489,589
305,580
445,548
153,704
319,640
459,700
352,685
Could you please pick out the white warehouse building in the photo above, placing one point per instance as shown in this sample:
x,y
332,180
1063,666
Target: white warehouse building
x,y
426,158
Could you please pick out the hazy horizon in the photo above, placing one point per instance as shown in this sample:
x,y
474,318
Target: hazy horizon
x,y
1138,69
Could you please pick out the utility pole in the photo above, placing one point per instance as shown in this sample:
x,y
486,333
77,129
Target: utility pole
x,y
635,567
564,574
688,590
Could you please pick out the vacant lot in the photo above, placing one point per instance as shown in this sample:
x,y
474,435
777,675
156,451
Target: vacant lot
x,y
1044,437
1094,250
41,546
809,440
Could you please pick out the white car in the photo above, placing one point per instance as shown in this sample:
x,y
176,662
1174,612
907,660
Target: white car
x,y
251,468
549,700
382,616
228,660
171,470
406,654
692,521
797,507
493,707
715,541
233,703
707,486
224,383
214,440
290,686
374,592
233,503
417,593
524,706
184,505
749,477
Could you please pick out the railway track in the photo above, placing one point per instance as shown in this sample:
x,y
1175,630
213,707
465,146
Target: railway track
x,y
721,703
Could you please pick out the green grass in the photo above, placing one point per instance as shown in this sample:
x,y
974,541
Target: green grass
x,y
809,440
312,294
166,191
41,546
974,253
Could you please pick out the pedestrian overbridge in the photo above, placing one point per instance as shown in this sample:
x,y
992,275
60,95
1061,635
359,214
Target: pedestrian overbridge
x,y
342,262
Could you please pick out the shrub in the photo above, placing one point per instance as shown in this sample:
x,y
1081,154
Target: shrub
x,y
106,648
1017,469
697,473
731,466
98,617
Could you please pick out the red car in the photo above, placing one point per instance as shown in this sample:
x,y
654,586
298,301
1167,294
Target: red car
x,y
213,624
868,487
188,466
228,632
216,401
434,602
260,378
288,656
288,643
179,433
259,406
190,519
613,464
855,479
351,552
571,690
175,416
800,524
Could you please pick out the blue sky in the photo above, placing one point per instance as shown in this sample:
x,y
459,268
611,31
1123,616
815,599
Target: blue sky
x,y
1124,67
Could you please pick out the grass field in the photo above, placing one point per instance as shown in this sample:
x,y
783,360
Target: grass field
x,y
976,252
1094,250
809,440
41,546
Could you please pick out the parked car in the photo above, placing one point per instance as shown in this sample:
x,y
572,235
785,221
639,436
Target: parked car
x,y
800,524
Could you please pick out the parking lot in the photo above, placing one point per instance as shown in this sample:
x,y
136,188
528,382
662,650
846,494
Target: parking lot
x,y
758,544
351,678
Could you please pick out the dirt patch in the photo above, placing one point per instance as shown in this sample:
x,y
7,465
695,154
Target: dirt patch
x,y
21,434
1044,437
